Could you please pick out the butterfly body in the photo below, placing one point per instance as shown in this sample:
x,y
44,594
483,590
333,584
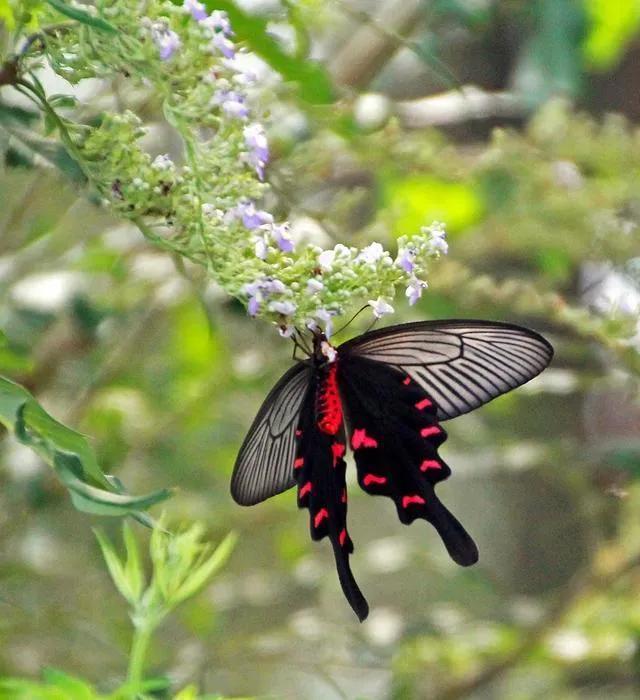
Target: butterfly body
x,y
383,395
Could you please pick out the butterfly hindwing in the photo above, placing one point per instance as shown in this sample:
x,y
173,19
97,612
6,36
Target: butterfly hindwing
x,y
320,474
395,435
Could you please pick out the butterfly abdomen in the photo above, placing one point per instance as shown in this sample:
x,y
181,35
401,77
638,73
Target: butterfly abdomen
x,y
328,404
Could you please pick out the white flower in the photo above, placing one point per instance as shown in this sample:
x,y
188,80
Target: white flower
x,y
286,308
436,234
286,331
314,285
326,259
380,307
261,248
371,254
162,162
325,317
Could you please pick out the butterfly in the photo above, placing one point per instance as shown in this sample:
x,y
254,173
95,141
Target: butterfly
x,y
384,394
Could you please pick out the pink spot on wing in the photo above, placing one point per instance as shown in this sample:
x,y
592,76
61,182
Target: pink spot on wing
x,y
342,537
373,479
361,439
407,381
338,450
408,500
298,463
305,489
423,404
431,430
430,464
298,433
320,516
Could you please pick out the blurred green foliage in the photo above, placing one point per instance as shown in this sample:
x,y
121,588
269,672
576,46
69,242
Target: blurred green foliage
x,y
139,350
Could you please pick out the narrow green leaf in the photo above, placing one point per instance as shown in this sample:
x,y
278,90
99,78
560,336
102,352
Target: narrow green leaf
x,y
115,567
72,687
313,82
71,456
82,16
133,567
198,578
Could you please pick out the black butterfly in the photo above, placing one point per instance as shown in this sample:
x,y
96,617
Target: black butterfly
x,y
391,387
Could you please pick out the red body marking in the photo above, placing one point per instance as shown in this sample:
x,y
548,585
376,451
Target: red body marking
x,y
304,490
361,439
430,464
373,479
298,463
431,430
406,381
423,404
338,450
329,406
408,500
343,537
320,516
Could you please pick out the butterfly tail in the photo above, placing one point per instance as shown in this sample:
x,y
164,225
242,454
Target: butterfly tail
x,y
350,588
461,547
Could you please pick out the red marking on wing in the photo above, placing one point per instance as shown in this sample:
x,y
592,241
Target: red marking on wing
x,y
320,516
328,404
361,439
304,490
406,381
344,496
423,404
408,500
298,463
431,430
342,537
430,464
338,450
373,479
298,433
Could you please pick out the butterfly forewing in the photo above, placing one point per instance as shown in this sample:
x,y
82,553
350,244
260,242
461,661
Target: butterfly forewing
x,y
460,364
264,466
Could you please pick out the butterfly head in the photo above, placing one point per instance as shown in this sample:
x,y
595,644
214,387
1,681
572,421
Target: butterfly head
x,y
323,351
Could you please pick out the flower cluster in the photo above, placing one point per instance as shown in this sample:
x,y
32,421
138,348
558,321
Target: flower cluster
x,y
205,205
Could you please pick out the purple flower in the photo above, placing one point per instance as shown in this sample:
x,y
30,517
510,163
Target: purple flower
x,y
197,9
280,234
166,40
414,290
437,235
224,45
256,141
406,258
218,21
232,103
251,217
286,331
259,290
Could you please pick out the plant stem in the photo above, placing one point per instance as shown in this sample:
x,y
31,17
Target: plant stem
x,y
139,646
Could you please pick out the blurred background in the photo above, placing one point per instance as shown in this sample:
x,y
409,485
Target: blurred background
x,y
514,122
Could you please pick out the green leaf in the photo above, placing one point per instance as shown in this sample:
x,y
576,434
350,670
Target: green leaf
x,y
313,82
72,687
70,454
133,567
82,16
612,27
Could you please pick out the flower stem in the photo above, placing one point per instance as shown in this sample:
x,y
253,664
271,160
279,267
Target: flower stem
x,y
139,646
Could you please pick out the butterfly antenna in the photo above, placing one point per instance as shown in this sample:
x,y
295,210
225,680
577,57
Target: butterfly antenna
x,y
352,319
299,343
